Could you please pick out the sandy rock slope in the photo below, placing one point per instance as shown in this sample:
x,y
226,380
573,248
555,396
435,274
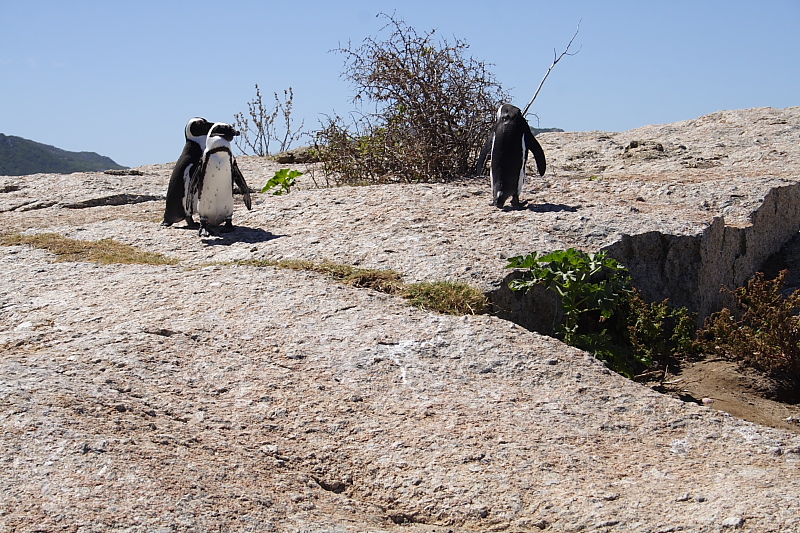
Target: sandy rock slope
x,y
209,396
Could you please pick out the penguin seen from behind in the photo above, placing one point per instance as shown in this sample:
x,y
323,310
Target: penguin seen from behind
x,y
509,143
195,133
210,192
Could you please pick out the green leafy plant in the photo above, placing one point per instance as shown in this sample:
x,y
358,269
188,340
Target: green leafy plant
x,y
603,313
284,179
658,332
763,332
586,282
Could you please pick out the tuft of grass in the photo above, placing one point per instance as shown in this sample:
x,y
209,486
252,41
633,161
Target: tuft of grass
x,y
447,297
105,251
386,281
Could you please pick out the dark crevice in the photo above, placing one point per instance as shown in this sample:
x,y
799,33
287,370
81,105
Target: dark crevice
x,y
337,487
689,270
114,199
404,518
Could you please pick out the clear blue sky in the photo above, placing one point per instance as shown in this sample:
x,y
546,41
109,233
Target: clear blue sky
x,y
122,78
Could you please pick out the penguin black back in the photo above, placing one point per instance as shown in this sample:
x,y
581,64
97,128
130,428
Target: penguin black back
x,y
195,133
509,143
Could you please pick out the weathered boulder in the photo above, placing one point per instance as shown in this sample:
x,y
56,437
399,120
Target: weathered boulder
x,y
215,396
302,154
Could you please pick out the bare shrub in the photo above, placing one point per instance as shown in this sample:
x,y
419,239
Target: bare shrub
x,y
432,109
764,332
260,128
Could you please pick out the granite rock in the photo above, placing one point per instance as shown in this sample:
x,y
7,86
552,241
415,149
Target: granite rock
x,y
214,396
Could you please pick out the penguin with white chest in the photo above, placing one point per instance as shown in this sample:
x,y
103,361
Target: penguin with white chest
x,y
509,143
195,133
210,192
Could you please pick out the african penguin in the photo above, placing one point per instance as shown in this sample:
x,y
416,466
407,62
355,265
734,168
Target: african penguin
x,y
509,142
211,189
195,132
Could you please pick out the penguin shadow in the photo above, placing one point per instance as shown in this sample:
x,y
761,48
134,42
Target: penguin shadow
x,y
550,208
239,234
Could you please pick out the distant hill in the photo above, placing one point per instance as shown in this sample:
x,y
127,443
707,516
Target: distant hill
x,y
537,131
19,157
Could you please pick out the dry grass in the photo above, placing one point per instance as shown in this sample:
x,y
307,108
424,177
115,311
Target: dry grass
x,y
448,297
445,297
105,251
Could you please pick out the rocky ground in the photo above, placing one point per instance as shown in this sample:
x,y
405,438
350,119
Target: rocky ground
x,y
210,396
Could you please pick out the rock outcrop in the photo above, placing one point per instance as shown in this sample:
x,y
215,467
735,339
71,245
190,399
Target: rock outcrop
x,y
211,395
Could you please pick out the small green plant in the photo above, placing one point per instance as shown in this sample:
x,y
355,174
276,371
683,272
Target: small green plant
x,y
603,313
764,332
284,179
658,332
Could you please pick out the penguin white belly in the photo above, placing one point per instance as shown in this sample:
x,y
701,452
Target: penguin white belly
x,y
216,200
521,182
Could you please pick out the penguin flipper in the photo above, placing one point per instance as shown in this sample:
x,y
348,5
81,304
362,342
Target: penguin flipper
x,y
195,182
484,154
238,179
536,149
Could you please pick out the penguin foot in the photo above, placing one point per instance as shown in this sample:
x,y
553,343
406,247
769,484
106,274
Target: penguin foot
x,y
227,228
166,224
190,223
516,203
203,231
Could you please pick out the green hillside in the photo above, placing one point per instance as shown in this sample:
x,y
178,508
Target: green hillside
x,y
20,156
537,131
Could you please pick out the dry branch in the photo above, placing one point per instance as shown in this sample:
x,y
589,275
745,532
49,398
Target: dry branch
x,y
555,61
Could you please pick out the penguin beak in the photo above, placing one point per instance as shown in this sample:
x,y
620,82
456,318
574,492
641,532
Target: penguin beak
x,y
235,133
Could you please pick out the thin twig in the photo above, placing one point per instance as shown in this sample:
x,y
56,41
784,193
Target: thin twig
x,y
556,60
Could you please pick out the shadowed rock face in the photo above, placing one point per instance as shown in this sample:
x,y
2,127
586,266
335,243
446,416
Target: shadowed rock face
x,y
210,396
691,270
